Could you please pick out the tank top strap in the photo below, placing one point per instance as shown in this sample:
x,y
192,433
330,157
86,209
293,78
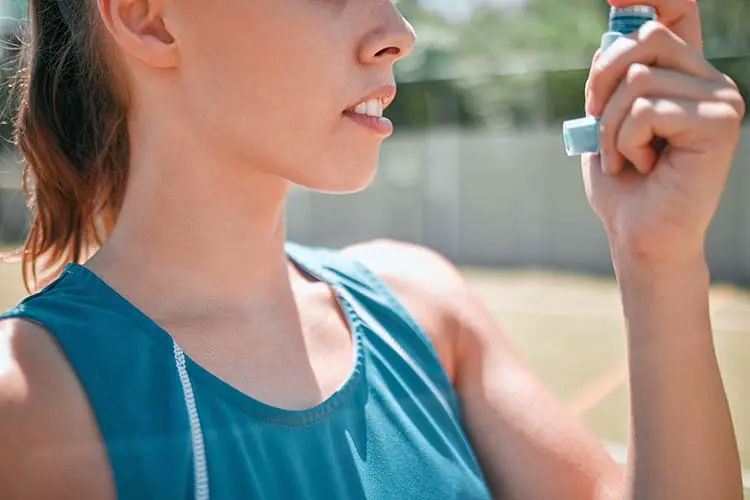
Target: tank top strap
x,y
344,272
332,266
47,313
313,260
355,276
378,304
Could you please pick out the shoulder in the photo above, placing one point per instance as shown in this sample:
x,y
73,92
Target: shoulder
x,y
408,264
46,425
429,286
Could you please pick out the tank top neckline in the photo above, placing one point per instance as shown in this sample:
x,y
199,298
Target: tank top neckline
x,y
216,386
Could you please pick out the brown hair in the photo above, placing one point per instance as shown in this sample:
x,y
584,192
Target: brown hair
x,y
71,129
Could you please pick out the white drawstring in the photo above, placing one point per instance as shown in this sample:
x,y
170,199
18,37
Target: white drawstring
x,y
199,450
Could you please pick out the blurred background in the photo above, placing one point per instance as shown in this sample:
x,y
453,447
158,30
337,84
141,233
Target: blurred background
x,y
477,170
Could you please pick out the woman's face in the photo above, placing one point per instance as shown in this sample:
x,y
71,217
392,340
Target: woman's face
x,y
270,81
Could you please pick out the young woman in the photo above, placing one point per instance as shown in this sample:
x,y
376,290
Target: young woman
x,y
199,355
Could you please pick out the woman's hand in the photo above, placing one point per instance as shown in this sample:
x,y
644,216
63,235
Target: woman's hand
x,y
655,88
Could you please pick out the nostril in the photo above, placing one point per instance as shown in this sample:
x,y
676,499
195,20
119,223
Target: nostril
x,y
393,51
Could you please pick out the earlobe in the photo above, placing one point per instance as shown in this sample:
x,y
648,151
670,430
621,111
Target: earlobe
x,y
137,27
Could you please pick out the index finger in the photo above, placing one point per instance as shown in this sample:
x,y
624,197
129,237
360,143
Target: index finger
x,y
682,17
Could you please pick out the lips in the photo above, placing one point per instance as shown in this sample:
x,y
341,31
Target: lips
x,y
375,102
368,110
381,126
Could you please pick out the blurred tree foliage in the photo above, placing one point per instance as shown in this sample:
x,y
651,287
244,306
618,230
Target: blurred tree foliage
x,y
526,66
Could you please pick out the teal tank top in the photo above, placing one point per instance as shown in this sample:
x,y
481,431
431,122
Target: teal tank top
x,y
173,430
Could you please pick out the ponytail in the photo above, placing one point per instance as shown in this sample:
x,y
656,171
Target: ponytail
x,y
71,130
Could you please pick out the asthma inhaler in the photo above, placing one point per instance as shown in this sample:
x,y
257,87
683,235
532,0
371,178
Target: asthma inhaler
x,y
582,135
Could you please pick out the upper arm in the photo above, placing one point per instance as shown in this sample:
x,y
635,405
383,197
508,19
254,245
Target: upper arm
x,y
50,442
529,445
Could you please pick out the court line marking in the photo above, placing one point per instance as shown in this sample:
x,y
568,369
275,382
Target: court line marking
x,y
602,386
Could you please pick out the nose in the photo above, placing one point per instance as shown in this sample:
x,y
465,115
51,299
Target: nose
x,y
391,38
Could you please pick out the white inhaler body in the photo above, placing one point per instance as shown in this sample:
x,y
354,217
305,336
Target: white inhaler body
x,y
582,134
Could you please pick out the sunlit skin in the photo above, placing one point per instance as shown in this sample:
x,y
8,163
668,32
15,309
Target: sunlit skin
x,y
228,112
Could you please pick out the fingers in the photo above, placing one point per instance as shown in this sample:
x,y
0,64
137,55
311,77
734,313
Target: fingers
x,y
682,17
655,86
689,124
587,87
649,82
638,129
653,45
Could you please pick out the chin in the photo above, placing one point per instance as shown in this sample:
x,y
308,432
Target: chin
x,y
342,177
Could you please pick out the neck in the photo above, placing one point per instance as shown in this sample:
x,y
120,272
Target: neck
x,y
199,226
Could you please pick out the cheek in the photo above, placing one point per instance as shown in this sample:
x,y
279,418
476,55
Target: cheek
x,y
272,93
263,86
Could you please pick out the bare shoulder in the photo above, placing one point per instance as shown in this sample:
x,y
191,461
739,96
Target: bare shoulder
x,y
46,425
429,286
409,264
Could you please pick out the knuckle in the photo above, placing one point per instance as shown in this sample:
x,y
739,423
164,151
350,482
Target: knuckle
x,y
729,81
738,104
654,32
726,121
730,93
642,110
741,107
638,76
738,107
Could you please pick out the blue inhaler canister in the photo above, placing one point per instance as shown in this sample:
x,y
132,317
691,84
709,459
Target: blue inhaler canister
x,y
582,135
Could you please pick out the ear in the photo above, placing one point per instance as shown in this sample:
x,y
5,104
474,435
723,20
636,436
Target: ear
x,y
137,27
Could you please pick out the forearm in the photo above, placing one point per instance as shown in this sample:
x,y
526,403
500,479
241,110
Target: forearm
x,y
683,442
